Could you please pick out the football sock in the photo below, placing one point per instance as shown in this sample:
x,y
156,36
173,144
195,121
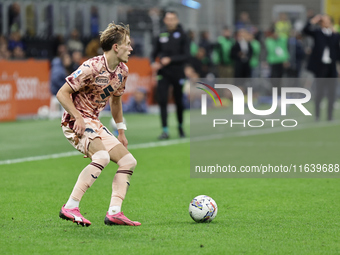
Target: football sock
x,y
87,177
71,203
114,209
165,129
121,180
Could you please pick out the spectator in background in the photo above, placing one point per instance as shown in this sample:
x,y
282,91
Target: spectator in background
x,y
57,41
60,68
283,26
322,61
207,46
193,44
62,49
14,21
4,52
241,53
93,48
94,19
245,23
199,63
18,53
74,43
296,54
222,52
197,56
15,41
277,54
255,58
137,102
3,40
77,60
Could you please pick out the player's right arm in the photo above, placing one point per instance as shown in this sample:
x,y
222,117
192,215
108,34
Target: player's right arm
x,y
308,29
64,97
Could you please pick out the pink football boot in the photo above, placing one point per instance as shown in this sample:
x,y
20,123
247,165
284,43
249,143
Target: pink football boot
x,y
73,215
119,219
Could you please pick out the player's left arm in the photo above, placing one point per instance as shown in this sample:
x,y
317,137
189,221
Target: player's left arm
x,y
117,114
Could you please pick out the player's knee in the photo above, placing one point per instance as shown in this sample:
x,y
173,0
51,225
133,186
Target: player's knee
x,y
134,162
128,162
102,157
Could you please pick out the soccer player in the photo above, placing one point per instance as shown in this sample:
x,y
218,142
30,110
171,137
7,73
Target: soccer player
x,y
83,96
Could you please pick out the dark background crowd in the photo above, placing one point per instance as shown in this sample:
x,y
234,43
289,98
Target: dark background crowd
x,y
241,50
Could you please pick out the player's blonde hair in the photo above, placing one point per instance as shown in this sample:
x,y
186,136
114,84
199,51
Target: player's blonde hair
x,y
113,34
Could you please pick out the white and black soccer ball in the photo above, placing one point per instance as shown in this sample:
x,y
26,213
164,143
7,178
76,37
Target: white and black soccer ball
x,y
203,209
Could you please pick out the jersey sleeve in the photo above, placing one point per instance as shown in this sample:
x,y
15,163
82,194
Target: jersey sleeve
x,y
81,77
125,71
120,91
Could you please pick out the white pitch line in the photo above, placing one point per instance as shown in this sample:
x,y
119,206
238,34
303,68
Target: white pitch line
x,y
36,158
77,153
177,141
263,131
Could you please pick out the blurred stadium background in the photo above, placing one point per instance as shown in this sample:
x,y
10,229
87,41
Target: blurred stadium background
x,y
34,33
39,167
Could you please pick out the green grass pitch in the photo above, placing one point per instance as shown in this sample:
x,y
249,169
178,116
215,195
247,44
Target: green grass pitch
x,y
255,216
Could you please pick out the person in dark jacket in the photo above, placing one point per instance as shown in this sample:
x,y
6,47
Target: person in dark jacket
x,y
60,68
172,48
137,103
241,53
296,54
322,61
207,46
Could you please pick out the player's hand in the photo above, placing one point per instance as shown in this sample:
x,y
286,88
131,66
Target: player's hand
x,y
165,61
121,137
156,66
316,19
79,126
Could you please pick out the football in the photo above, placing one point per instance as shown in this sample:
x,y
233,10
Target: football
x,y
203,209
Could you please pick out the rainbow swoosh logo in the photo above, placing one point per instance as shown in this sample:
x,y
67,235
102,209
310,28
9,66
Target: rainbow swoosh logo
x,y
208,92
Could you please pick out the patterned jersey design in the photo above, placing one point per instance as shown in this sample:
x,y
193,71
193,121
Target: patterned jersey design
x,y
93,84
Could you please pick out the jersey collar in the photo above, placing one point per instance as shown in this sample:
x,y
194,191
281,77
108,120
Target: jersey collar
x,y
107,65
